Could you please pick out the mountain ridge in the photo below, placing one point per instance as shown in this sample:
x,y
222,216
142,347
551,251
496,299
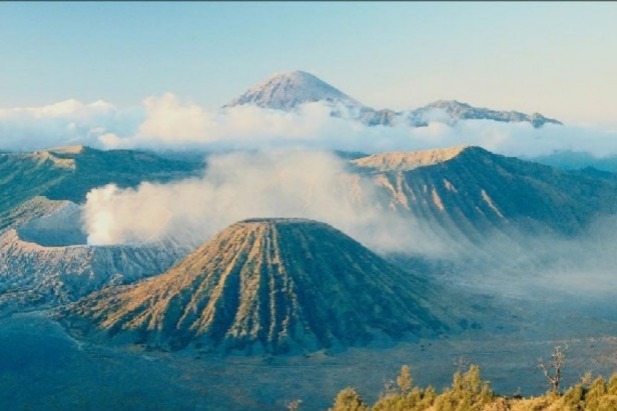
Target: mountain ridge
x,y
465,193
287,91
457,110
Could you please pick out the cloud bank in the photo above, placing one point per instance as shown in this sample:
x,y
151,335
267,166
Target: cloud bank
x,y
68,122
166,122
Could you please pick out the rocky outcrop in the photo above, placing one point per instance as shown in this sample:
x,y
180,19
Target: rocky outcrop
x,y
33,276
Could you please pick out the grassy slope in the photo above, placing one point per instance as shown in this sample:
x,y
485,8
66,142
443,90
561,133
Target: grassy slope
x,y
70,175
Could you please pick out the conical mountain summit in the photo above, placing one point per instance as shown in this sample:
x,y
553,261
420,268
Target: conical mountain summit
x,y
288,90
266,285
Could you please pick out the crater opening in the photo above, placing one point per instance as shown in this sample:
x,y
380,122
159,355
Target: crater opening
x,y
61,228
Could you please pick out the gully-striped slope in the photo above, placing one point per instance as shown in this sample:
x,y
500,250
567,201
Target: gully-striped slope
x,y
267,285
473,191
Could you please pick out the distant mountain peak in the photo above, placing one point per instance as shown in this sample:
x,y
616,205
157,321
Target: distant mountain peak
x,y
446,103
458,110
288,90
295,75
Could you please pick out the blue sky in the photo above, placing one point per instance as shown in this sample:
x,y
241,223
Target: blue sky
x,y
556,58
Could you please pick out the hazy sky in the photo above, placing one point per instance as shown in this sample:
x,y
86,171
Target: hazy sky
x,y
559,59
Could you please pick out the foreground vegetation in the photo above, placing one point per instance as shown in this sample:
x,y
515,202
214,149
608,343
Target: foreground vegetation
x,y
469,392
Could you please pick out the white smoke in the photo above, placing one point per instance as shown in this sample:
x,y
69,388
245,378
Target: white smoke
x,y
545,267
280,183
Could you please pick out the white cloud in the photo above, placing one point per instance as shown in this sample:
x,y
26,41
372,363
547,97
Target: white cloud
x,y
65,123
71,107
168,120
170,123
